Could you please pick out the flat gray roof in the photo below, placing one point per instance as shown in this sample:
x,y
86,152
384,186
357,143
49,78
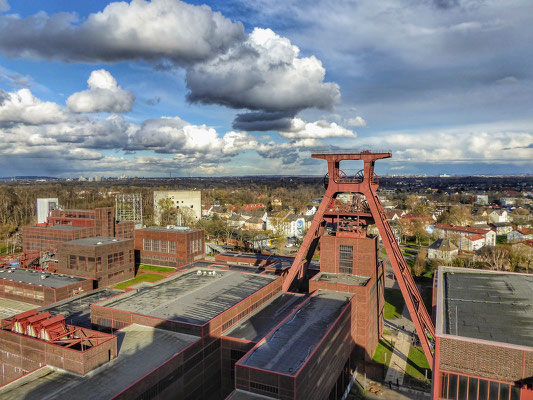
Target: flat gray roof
x,y
77,310
263,320
287,349
9,307
96,241
172,229
141,350
489,306
244,395
346,279
62,227
191,297
33,277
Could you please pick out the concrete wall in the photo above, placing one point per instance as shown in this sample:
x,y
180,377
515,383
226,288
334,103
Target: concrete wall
x,y
180,198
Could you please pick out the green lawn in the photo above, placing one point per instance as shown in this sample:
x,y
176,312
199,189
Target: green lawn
x,y
383,350
393,303
417,363
501,239
137,279
383,251
156,268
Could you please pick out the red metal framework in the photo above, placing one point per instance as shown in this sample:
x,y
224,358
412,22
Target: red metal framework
x,y
365,210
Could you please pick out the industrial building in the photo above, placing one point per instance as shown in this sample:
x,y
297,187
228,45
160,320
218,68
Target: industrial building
x,y
173,246
255,326
484,331
42,288
65,225
106,260
189,199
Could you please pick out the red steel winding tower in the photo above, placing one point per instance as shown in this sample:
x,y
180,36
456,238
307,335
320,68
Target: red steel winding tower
x,y
364,210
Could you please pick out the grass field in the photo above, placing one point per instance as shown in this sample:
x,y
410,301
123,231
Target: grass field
x,y
137,279
393,303
383,352
417,363
156,268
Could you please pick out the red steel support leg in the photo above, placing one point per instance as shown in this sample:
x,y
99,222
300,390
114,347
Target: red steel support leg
x,y
417,310
300,262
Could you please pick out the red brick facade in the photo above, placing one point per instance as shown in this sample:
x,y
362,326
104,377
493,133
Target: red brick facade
x,y
170,247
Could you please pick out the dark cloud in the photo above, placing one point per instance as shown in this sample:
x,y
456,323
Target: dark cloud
x,y
263,121
160,29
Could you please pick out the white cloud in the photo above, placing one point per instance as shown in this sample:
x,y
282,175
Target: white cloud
x,y
173,135
4,5
465,144
357,122
149,30
263,73
23,107
318,130
104,95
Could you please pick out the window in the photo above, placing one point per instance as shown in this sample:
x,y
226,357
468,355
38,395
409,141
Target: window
x,y
493,391
345,259
472,389
463,384
483,389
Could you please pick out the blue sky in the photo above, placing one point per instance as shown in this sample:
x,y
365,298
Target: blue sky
x,y
254,87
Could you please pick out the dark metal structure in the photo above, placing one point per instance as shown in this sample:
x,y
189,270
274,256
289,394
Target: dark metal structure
x,y
363,209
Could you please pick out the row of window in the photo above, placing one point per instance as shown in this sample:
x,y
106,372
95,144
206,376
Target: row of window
x,y
195,245
28,293
460,387
161,246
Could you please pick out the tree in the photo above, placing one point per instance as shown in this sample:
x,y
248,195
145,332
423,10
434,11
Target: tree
x,y
518,254
167,212
420,264
187,216
496,257
419,231
457,215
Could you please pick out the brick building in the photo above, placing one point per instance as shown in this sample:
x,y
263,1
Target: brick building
x,y
45,237
172,246
64,225
483,346
107,260
40,288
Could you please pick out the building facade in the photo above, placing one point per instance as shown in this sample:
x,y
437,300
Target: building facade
x,y
171,247
483,349
191,199
106,260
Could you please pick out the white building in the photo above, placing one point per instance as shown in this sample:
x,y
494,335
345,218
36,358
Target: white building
x,y
44,206
181,199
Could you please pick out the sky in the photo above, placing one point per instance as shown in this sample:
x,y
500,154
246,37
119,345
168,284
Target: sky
x,y
248,87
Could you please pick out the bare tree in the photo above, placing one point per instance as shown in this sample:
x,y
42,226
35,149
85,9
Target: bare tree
x,y
496,257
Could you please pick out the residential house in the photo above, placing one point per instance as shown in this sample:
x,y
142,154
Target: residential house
x,y
499,216
220,212
456,232
254,223
394,214
442,249
519,235
276,203
501,228
472,242
311,210
235,221
253,206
